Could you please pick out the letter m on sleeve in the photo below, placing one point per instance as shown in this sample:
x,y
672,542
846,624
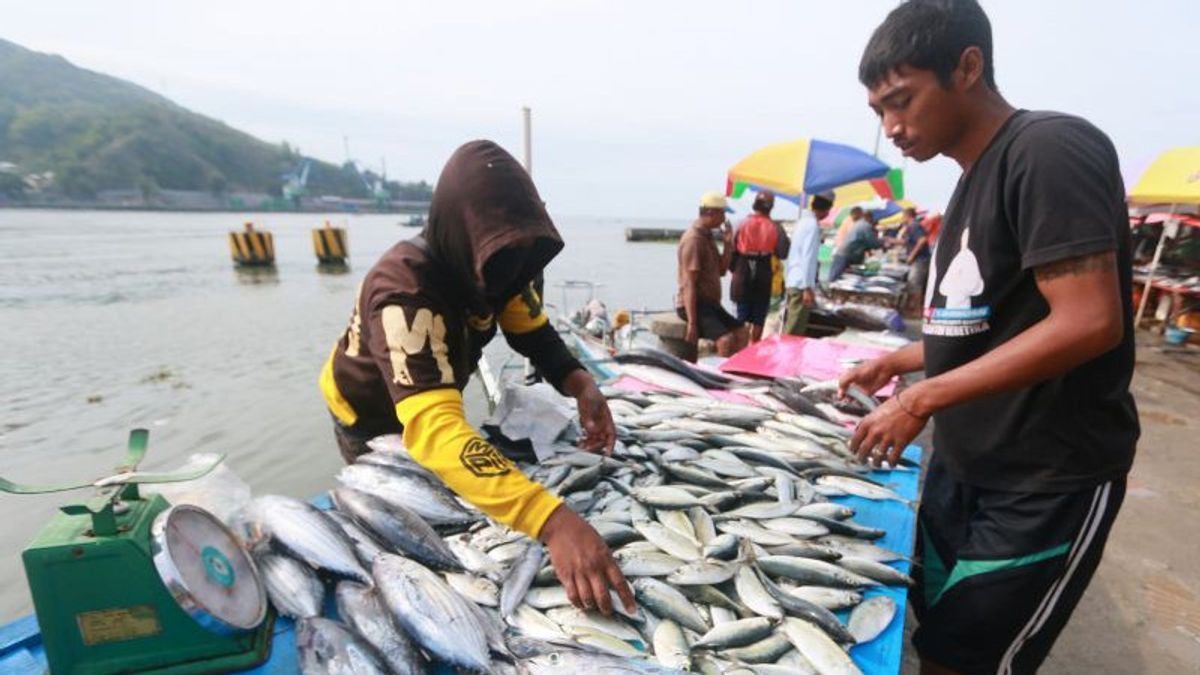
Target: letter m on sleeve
x,y
406,339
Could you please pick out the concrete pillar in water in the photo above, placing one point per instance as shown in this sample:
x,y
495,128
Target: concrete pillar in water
x,y
252,248
329,243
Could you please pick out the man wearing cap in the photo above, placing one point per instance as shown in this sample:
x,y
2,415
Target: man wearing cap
x,y
756,242
701,267
801,274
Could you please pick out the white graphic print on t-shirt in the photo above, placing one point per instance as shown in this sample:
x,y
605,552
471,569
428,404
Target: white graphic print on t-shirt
x,y
961,282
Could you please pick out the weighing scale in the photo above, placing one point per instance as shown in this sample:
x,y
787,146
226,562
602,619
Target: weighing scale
x,y
126,582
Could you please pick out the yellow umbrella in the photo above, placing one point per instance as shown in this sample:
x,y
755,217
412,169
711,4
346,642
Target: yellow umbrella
x,y
1173,178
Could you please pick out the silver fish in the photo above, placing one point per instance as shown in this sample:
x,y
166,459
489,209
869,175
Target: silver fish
x,y
669,540
826,510
668,603
646,564
702,572
363,611
581,479
813,613
532,623
832,599
875,570
766,651
440,620
665,497
327,647
569,617
432,502
763,510
796,527
702,525
852,546
400,528
735,634
754,532
520,578
695,475
860,488
678,521
712,597
476,589
818,648
722,547
614,534
670,646
293,587
812,572
473,559
755,595
366,546
870,618
305,533
543,658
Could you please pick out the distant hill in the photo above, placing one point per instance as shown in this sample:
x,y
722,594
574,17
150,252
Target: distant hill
x,y
96,132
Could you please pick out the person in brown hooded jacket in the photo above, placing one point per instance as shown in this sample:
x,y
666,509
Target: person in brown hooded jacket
x,y
423,315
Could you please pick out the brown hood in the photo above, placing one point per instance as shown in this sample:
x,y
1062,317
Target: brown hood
x,y
486,203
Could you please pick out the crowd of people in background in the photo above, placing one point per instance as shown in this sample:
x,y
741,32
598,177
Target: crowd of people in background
x,y
769,268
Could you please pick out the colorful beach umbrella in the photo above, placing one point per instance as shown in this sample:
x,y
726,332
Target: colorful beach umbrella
x,y
1173,178
803,167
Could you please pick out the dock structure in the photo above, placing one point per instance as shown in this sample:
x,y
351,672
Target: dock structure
x,y
329,244
653,234
252,248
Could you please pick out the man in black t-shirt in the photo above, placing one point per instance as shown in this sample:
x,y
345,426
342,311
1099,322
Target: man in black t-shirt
x,y
1027,350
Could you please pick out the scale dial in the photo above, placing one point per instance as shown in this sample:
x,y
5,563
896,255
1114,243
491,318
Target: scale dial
x,y
207,571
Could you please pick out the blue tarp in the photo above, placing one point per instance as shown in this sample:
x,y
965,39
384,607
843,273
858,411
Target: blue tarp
x,y
21,644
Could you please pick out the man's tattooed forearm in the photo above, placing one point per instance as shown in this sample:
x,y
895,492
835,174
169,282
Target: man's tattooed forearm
x,y
1099,262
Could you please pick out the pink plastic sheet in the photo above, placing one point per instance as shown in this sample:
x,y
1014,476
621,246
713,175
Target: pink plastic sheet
x,y
792,356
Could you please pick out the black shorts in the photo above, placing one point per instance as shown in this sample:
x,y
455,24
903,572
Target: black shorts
x,y
713,321
1002,571
754,310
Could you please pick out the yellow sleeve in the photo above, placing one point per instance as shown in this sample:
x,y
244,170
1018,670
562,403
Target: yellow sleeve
x,y
523,313
437,436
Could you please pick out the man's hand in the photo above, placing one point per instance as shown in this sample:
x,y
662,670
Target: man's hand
x,y
583,562
870,377
727,233
886,432
599,431
808,298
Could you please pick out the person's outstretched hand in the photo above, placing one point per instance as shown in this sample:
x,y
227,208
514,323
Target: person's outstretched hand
x,y
600,433
583,563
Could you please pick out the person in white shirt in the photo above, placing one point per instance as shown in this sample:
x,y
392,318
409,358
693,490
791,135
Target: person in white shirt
x,y
800,274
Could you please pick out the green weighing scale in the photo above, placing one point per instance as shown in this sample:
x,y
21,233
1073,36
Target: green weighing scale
x,y
128,583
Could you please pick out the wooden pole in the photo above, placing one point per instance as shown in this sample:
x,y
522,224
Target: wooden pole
x,y
1162,240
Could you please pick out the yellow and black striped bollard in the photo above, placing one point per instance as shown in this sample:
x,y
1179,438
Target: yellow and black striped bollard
x,y
329,243
252,248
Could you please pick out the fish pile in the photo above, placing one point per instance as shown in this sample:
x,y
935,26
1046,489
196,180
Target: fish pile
x,y
719,515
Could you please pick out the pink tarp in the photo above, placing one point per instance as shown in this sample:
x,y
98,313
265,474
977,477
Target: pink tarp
x,y
791,356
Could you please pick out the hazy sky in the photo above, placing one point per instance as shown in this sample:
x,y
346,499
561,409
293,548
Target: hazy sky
x,y
638,106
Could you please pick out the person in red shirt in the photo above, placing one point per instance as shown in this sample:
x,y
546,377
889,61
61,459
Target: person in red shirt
x,y
757,240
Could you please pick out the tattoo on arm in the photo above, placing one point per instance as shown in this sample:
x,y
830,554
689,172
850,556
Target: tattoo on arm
x,y
1099,262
